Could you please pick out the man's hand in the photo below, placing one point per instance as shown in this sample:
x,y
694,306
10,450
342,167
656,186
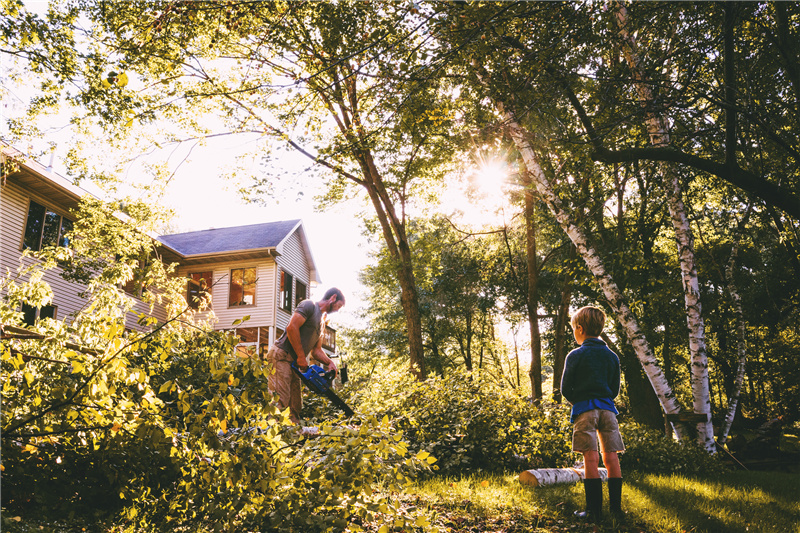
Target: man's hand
x,y
332,366
302,363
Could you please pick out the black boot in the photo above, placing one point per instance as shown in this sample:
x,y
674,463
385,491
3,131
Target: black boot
x,y
593,488
615,495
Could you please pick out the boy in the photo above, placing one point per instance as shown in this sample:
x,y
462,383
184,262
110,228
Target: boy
x,y
591,382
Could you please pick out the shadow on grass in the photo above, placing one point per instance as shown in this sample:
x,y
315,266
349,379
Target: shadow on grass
x,y
747,502
739,502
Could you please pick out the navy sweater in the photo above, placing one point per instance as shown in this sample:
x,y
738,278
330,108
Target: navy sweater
x,y
590,372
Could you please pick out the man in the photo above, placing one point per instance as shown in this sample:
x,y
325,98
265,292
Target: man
x,y
303,337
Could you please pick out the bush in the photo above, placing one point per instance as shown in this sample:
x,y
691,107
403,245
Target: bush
x,y
470,425
648,450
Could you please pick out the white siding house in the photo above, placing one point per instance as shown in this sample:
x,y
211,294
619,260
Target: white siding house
x,y
260,271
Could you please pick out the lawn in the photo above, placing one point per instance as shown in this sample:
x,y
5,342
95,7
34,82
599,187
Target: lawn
x,y
741,501
749,502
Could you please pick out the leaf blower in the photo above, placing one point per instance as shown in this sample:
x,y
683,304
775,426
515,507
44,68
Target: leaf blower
x,y
320,381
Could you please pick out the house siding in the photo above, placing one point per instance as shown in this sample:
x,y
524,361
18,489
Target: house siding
x,y
262,313
293,260
14,204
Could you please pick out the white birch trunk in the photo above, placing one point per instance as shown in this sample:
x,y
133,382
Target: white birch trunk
x,y
554,476
593,261
658,131
741,342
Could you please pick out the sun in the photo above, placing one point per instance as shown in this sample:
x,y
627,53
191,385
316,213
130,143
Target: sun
x,y
491,175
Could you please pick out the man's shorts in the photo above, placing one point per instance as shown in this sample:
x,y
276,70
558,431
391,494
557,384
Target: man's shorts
x,y
596,422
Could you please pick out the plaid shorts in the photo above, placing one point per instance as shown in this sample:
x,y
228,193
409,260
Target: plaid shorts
x,y
596,422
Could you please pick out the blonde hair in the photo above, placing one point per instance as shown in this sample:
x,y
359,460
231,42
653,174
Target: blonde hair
x,y
591,319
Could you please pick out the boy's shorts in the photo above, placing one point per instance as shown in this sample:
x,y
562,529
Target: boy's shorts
x,y
596,422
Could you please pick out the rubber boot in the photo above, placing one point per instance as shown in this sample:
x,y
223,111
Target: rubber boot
x,y
593,489
615,495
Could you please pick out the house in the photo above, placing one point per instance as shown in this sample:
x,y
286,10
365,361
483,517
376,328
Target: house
x,y
260,271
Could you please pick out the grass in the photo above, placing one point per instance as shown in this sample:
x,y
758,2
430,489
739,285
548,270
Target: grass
x,y
738,502
750,502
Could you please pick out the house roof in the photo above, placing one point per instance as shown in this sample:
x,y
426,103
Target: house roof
x,y
239,242
36,177
235,243
237,238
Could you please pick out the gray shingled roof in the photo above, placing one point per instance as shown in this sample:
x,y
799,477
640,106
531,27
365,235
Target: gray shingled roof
x,y
219,240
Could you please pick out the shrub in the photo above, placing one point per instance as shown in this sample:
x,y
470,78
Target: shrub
x,y
471,425
648,450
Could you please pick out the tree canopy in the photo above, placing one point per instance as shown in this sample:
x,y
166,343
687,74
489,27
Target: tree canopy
x,y
661,138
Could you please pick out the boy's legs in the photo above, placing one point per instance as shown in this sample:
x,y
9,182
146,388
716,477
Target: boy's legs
x,y
591,463
584,440
611,462
610,444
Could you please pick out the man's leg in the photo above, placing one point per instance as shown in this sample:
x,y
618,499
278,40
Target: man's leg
x,y
285,383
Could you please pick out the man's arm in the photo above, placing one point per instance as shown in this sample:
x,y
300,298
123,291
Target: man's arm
x,y
293,334
319,354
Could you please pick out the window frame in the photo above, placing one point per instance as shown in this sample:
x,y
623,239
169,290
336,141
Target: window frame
x,y
329,339
244,285
37,313
208,277
284,295
33,239
297,297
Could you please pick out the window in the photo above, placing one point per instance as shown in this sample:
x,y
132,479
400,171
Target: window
x,y
198,289
251,341
286,291
32,314
302,292
329,339
45,228
243,287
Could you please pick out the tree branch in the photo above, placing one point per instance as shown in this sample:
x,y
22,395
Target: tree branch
x,y
748,181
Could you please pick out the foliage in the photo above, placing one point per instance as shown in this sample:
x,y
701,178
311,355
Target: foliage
x,y
404,79
470,425
163,424
648,450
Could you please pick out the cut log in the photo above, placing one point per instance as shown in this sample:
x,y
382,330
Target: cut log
x,y
554,476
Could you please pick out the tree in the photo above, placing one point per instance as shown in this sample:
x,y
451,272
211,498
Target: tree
x,y
334,82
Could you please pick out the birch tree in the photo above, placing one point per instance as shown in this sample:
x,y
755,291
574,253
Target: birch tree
x,y
658,132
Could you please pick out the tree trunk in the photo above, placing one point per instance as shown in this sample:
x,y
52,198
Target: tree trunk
x,y
644,406
343,104
741,338
554,476
657,128
535,371
560,350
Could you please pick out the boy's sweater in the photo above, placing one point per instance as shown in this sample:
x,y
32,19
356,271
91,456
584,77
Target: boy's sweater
x,y
590,372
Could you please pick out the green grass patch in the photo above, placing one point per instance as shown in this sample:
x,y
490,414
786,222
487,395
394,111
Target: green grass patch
x,y
737,502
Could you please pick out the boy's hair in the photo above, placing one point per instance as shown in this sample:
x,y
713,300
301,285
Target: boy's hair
x,y
591,319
